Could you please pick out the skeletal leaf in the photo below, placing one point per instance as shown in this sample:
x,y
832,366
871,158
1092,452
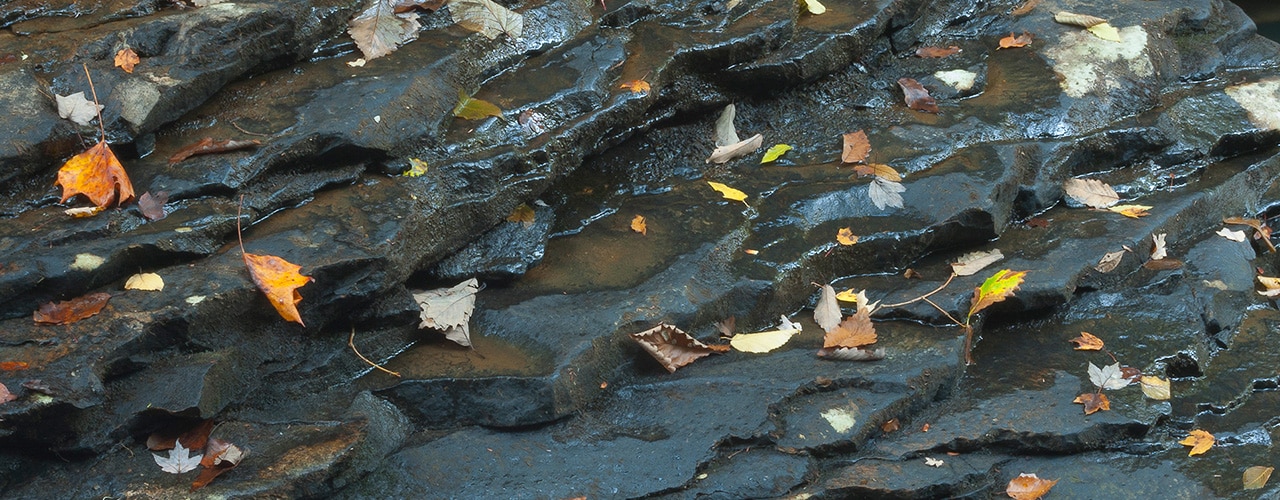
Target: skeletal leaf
x,y
855,331
728,192
474,109
812,7
851,354
916,96
1231,235
1200,441
997,288
1108,377
449,310
1158,250
672,347
762,342
1087,342
885,193
724,154
845,236
1013,42
827,313
487,18
126,59
178,461
1256,477
1155,387
378,30
145,281
76,108
1093,402
856,147
1131,211
638,225
1028,487
973,262
773,153
97,174
1091,192
1109,261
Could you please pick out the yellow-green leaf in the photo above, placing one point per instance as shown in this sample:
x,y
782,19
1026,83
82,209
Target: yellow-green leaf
x,y
474,109
728,192
416,168
1256,477
998,287
774,152
1105,31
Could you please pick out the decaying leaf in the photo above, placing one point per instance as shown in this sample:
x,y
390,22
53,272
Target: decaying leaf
x,y
145,281
219,457
672,347
636,86
724,154
882,171
845,236
469,108
997,288
152,205
827,312
1013,42
76,108
417,167
178,461
855,331
1109,377
449,310
891,425
1131,211
1232,235
523,214
1109,261
1028,487
1254,477
775,152
972,262
1200,441
1155,387
812,6
379,31
916,96
207,146
851,354
97,174
5,395
885,193
1271,286
1087,342
279,280
1025,8
1091,192
856,147
1158,250
487,18
126,59
764,341
638,225
71,311
937,52
1162,264
728,192
1093,402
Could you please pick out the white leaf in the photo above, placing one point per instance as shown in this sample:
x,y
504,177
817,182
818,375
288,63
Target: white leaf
x,y
487,18
973,262
827,313
76,108
178,461
885,193
1108,377
725,132
814,7
449,310
1231,235
1091,192
724,154
1157,250
1109,261
787,324
378,31
933,462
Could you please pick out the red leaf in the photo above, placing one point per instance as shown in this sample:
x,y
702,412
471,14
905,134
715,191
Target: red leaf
x,y
71,311
671,346
917,97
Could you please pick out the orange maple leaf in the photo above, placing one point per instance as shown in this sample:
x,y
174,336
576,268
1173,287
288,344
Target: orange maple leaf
x,y
126,59
279,280
97,174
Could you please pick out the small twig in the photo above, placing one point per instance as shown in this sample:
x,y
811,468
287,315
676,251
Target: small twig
x,y
944,312
352,342
237,126
96,106
925,296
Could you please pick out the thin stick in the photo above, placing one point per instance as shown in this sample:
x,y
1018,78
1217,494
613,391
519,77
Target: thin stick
x,y
352,342
922,297
237,126
97,107
943,311
238,237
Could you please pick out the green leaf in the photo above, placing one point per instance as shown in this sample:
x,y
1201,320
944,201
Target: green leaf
x,y
774,152
998,287
474,109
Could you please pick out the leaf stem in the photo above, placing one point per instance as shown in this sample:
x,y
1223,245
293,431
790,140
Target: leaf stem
x,y
238,236
922,297
351,341
96,106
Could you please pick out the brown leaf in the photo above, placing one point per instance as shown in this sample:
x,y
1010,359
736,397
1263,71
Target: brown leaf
x,y
5,395
1013,42
71,311
855,331
1093,401
1081,20
1028,487
672,347
937,52
911,273
856,147
152,206
1261,231
279,280
638,225
1087,342
523,214
219,457
207,146
126,59
97,174
378,31
636,86
851,354
1025,8
1162,264
890,426
1037,222
727,326
917,97
1109,261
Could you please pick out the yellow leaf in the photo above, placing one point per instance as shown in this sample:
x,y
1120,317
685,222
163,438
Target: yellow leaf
x,y
1155,387
523,214
1133,211
279,280
1199,441
813,7
763,341
636,86
1256,477
474,109
97,174
774,152
998,287
1105,31
416,168
728,192
638,225
850,296
145,281
846,237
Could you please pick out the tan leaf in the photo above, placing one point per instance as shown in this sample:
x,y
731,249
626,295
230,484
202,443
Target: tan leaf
x,y
827,313
1162,264
487,18
1087,342
449,310
1272,286
882,171
1081,20
851,354
845,236
1261,231
725,154
5,395
1093,402
1028,487
126,59
762,342
1091,192
638,225
855,331
672,347
726,133
937,52
1109,261
885,193
973,262
1155,387
378,31
1200,441
145,281
856,147
1254,477
76,108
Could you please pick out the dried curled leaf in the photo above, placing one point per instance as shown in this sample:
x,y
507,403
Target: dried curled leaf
x,y
1232,235
855,331
279,280
1013,42
1028,487
1271,286
851,354
487,18
208,146
916,96
449,310
856,147
145,281
1158,247
1200,441
71,311
672,347
1091,192
219,457
97,174
1087,342
997,288
1081,20
1109,261
725,154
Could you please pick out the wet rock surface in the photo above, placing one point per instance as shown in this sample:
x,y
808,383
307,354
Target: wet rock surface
x,y
553,400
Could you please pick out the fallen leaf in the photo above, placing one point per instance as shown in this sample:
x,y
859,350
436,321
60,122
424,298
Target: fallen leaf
x,y
1162,264
1155,387
911,273
449,310
997,288
1272,286
855,331
851,296
882,171
523,214
885,193
787,324
636,86
82,212
764,341
5,395
726,326
916,96
1131,211
827,313
728,192
1028,487
1254,477
1081,20
532,122
890,426
856,147
1087,342
1261,231
152,205
378,30
937,52
1231,235
845,236
279,280
1037,222
672,347
851,354
469,108
1106,31
1025,8
638,225
219,457
1108,377
145,281
207,146
13,366
1091,192
933,462
126,59
76,108
97,174
725,154
1013,42
773,153
417,167
178,461
1133,375
71,311
1109,261
813,7
1200,441
487,18
1158,250
725,132
972,262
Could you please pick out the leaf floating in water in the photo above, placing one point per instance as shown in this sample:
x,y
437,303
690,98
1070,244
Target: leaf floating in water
x,y
469,108
916,96
1093,402
487,18
1087,342
882,171
672,347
